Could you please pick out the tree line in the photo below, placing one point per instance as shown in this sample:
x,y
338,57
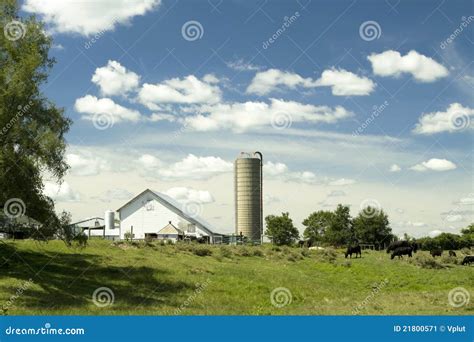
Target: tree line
x,y
336,228
371,226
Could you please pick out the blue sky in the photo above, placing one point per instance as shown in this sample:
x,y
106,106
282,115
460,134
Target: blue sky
x,y
230,88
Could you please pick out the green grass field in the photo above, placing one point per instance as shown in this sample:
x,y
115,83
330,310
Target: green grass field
x,y
235,280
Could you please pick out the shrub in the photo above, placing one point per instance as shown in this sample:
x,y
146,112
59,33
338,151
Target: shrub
x,y
169,242
258,252
425,261
449,260
128,236
329,254
202,251
305,252
225,252
243,251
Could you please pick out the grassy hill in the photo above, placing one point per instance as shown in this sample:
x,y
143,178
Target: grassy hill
x,y
185,279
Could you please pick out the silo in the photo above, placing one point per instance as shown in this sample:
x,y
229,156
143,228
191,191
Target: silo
x,y
248,195
109,219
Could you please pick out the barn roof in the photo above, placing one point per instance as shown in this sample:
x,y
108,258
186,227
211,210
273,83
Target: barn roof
x,y
177,208
170,229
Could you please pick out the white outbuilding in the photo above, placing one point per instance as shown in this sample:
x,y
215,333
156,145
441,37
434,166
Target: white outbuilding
x,y
155,215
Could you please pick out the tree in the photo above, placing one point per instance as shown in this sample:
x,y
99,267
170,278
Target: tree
x,y
316,225
340,230
32,128
468,230
374,228
280,229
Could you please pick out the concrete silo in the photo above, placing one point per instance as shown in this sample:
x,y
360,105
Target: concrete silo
x,y
249,195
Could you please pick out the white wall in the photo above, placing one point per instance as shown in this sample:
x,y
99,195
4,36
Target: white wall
x,y
147,215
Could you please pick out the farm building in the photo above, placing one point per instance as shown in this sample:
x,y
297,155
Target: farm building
x,y
155,215
97,227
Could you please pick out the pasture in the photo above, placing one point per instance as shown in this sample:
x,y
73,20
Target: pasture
x,y
154,279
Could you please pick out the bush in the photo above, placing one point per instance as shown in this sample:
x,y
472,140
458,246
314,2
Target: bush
x,y
329,254
449,260
425,261
305,252
244,251
81,240
258,252
202,251
225,252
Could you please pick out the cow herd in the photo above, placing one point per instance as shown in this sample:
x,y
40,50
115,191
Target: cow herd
x,y
403,247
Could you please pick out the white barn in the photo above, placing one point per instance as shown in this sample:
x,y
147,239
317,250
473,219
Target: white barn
x,y
147,214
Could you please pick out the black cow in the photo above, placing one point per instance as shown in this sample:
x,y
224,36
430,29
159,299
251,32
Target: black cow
x,y
452,253
401,251
305,243
402,243
436,252
354,250
468,260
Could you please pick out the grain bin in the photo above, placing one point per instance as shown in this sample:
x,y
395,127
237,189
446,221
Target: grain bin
x,y
248,195
109,219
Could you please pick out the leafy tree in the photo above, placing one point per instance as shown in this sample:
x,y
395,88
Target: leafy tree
x,y
316,225
340,230
32,128
280,229
468,230
374,228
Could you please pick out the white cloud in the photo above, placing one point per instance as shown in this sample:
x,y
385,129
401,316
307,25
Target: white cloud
x,y
336,193
189,90
91,106
454,218
395,168
241,117
115,79
342,82
85,164
88,17
61,192
345,83
280,171
455,118
467,201
155,117
183,194
422,68
191,167
241,65
116,194
149,162
435,233
267,81
270,199
434,164
342,182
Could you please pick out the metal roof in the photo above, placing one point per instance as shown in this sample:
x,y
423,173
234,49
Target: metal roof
x,y
178,209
